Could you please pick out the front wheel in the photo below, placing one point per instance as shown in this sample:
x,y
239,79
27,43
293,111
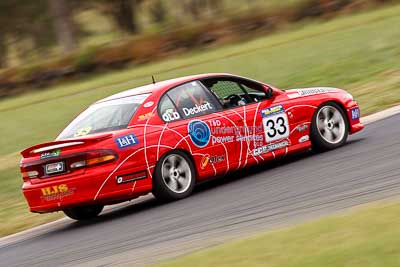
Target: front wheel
x,y
174,177
84,213
329,128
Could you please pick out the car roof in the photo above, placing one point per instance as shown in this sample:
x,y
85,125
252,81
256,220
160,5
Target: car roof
x,y
163,85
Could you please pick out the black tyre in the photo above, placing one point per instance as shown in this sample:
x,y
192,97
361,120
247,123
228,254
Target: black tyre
x,y
329,127
84,213
174,177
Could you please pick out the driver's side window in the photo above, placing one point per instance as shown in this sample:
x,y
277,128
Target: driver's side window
x,y
232,93
224,89
229,93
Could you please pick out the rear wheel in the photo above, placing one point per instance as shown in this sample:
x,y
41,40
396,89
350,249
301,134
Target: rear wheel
x,y
329,128
84,213
174,177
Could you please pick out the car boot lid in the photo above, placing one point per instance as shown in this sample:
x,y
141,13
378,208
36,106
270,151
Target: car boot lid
x,y
65,143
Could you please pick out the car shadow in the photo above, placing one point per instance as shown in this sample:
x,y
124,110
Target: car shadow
x,y
144,204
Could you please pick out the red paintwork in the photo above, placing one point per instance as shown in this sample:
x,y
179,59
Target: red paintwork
x,y
98,184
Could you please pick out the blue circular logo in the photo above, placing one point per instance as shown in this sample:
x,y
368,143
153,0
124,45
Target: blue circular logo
x,y
199,133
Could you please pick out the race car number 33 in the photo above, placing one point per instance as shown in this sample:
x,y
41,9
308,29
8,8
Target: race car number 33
x,y
276,127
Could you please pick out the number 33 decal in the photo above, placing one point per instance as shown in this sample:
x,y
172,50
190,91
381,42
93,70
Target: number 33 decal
x,y
276,127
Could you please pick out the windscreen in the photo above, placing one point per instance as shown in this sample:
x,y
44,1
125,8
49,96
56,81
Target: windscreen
x,y
104,116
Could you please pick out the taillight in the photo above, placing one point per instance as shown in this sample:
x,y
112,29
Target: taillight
x,y
94,158
37,169
30,174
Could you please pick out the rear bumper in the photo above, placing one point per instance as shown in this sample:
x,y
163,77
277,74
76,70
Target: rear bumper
x,y
86,189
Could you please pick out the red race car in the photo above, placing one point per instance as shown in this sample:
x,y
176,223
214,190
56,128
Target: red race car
x,y
166,136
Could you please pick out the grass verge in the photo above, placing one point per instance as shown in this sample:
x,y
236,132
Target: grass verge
x,y
14,212
359,53
365,237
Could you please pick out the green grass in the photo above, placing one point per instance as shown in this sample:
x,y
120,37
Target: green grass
x,y
367,237
360,53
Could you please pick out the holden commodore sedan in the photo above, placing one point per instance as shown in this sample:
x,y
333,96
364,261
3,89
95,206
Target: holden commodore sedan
x,y
165,137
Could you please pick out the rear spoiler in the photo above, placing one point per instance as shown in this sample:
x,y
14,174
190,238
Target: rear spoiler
x,y
49,146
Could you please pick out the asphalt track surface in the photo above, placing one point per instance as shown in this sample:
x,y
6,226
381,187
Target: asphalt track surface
x,y
275,194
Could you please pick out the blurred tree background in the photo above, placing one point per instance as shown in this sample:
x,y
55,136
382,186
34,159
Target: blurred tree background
x,y
33,29
44,41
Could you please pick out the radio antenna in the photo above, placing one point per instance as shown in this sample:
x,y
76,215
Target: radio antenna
x,y
154,80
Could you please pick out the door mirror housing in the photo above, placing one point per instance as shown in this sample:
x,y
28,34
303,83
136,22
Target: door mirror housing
x,y
268,91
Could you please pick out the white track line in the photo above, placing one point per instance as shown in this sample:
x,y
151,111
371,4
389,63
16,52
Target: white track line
x,y
381,115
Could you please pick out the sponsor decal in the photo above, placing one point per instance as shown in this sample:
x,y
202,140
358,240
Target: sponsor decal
x,y
304,138
210,159
170,115
272,111
237,138
83,131
199,133
146,116
293,95
355,114
126,141
269,148
197,109
241,133
250,138
51,154
315,91
132,177
217,128
56,192
302,127
148,104
311,91
222,139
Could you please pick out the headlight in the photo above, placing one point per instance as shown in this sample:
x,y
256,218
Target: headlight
x,y
349,96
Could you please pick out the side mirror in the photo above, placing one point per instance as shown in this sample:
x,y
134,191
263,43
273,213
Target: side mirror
x,y
268,91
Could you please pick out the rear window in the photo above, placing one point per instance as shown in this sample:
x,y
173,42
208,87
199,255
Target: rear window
x,y
103,117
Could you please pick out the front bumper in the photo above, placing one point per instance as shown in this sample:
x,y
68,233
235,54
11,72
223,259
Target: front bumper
x,y
353,115
354,128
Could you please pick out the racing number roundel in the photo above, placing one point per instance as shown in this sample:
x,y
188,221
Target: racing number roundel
x,y
276,127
